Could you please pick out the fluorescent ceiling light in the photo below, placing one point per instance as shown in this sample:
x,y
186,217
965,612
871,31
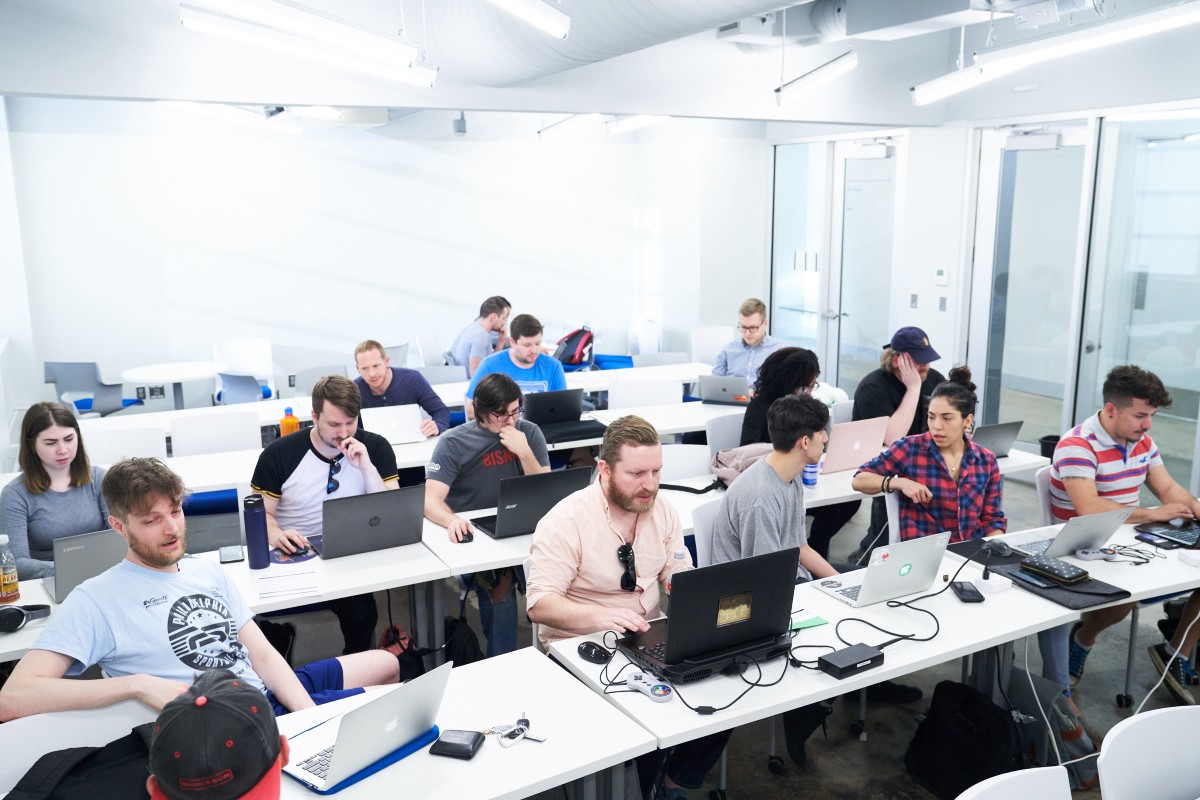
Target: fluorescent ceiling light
x,y
952,83
538,14
633,122
1195,137
566,124
825,73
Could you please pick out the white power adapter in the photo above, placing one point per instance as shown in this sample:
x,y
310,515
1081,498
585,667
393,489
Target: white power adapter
x,y
1190,557
995,583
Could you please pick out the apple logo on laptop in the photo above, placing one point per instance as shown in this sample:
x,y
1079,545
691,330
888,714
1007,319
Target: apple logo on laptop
x,y
857,445
391,726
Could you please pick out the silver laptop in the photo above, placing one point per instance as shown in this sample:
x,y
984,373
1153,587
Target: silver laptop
x,y
397,424
997,438
725,391
369,522
894,571
852,444
1079,533
331,755
78,558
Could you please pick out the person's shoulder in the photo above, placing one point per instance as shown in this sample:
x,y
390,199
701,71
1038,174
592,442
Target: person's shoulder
x,y
16,485
547,362
98,474
872,380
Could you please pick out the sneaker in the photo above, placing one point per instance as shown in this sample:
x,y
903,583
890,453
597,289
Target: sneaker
x,y
1176,674
1077,656
1193,677
888,692
664,792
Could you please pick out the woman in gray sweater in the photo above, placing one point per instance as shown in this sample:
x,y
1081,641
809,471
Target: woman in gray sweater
x,y
57,493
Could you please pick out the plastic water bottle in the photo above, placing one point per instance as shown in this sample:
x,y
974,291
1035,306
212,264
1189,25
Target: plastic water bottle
x,y
258,551
676,563
809,477
10,591
289,423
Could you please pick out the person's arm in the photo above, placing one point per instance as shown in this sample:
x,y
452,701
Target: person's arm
x,y
991,519
812,561
286,541
517,443
433,405
570,615
1170,493
273,669
902,418
437,512
16,525
357,457
721,365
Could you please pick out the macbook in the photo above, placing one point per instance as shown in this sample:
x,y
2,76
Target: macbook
x,y
349,747
370,522
722,616
1079,533
525,499
397,424
894,570
852,444
997,438
724,390
78,558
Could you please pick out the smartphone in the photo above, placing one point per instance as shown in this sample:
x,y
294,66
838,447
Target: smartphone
x,y
231,554
1032,580
1157,541
967,592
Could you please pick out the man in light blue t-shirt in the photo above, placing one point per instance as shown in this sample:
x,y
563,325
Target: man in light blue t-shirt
x,y
483,337
524,362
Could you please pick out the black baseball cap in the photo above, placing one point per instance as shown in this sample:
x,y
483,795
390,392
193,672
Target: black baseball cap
x,y
915,342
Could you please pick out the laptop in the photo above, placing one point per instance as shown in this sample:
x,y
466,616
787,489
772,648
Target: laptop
x,y
894,570
558,415
997,438
723,390
1092,530
722,616
852,444
78,558
397,424
349,747
370,522
525,499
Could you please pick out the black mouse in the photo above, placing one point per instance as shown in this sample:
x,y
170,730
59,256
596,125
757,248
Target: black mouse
x,y
467,536
997,548
594,652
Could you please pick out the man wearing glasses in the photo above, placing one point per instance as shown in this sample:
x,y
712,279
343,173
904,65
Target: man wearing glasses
x,y
464,475
743,357
296,473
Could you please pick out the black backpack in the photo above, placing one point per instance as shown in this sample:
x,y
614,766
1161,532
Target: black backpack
x,y
576,347
118,770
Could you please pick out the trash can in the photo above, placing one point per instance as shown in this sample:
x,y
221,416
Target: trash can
x,y
1048,444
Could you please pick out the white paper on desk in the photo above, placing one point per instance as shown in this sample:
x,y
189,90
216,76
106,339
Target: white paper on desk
x,y
283,584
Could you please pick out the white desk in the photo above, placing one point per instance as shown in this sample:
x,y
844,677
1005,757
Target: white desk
x,y
671,418
269,413
14,645
598,380
174,373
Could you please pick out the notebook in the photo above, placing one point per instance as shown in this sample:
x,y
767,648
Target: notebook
x,y
525,499
852,444
558,415
397,424
997,438
78,558
370,522
722,616
724,390
1091,530
894,570
349,747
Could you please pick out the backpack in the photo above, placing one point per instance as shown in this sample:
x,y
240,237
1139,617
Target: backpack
x,y
1072,740
576,347
118,770
728,464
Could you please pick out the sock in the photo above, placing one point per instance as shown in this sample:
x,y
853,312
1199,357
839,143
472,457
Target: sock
x,y
1075,639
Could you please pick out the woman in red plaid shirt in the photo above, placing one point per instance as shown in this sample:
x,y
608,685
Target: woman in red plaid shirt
x,y
947,482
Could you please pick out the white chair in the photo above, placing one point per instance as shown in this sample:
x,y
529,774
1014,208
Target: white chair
x,y
685,461
443,373
645,336
215,433
246,357
630,394
306,378
724,432
1037,783
108,446
841,412
704,518
1041,480
398,353
707,341
1152,755
658,359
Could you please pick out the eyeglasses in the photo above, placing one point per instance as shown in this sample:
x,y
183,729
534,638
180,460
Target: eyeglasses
x,y
749,328
510,415
629,577
335,467
13,618
812,387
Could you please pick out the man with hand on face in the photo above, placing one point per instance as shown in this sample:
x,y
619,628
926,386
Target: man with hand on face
x,y
297,473
743,356
484,336
381,384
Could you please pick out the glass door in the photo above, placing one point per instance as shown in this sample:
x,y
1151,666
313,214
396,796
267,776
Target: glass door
x,y
799,256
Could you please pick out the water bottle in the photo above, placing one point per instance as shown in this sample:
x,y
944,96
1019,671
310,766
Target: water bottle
x,y
676,564
289,423
258,550
10,592
809,478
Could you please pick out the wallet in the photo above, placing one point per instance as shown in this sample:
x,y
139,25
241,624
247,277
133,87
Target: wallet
x,y
457,744
1054,569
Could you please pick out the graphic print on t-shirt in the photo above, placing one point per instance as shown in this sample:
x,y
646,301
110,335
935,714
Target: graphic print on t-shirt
x,y
202,633
498,457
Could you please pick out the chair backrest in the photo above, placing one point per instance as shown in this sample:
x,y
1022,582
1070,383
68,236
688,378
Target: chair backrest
x,y
707,341
685,461
1152,755
1041,480
246,357
1036,783
645,336
443,373
537,645
108,446
243,491
892,501
216,432
841,412
398,353
657,359
724,432
305,378
76,381
239,389
628,394
704,517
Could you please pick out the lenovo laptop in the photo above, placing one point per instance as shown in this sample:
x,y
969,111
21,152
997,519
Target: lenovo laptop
x,y
997,438
1079,533
722,616
895,570
724,391
397,424
558,415
351,746
852,444
525,499
370,522
78,558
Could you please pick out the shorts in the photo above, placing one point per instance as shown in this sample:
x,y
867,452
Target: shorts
x,y
323,682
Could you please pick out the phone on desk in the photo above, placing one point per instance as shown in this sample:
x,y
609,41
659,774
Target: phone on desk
x,y
231,554
1032,580
966,592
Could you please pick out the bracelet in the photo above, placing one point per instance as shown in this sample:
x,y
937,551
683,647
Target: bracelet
x,y
887,479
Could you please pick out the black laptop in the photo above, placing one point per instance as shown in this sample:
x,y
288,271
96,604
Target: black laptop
x,y
525,499
724,616
369,522
558,415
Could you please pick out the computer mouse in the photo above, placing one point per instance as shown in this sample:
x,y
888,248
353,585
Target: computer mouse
x,y
997,548
594,652
467,537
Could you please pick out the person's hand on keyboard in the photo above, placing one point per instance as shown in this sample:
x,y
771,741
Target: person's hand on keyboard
x,y
1169,512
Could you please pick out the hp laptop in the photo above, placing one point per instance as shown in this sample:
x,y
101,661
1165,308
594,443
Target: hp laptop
x,y
722,616
525,499
349,747
724,391
1092,530
997,438
78,558
893,571
558,415
370,522
852,444
397,424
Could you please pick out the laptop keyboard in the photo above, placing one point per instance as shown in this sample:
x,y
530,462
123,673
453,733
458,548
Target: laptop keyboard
x,y
486,524
1034,548
1186,535
850,592
657,652
319,764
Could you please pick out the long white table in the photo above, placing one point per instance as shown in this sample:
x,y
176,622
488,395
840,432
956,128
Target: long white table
x,y
671,418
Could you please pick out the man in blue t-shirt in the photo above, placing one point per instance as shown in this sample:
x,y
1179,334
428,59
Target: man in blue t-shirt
x,y
524,362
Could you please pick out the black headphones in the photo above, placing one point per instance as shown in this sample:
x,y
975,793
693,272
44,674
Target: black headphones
x,y
13,618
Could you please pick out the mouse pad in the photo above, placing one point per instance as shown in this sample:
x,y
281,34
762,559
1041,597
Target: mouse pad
x,y
278,557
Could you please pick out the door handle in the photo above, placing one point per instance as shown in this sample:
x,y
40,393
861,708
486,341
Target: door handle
x,y
831,314
1090,347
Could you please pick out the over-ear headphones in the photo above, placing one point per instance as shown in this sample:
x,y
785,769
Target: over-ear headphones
x,y
13,618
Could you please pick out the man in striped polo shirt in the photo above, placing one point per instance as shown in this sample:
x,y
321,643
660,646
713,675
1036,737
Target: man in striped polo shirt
x,y
1100,465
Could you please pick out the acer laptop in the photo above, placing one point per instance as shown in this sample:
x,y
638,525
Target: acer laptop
x,y
349,747
397,424
558,415
852,444
997,438
78,558
895,570
1079,533
525,499
723,616
370,522
724,390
